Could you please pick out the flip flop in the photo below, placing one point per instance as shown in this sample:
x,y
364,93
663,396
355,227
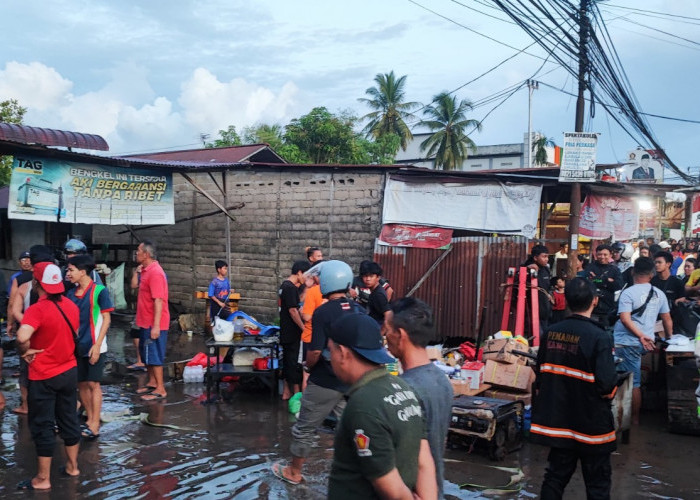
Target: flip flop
x,y
88,435
64,473
136,368
152,396
278,472
145,389
27,485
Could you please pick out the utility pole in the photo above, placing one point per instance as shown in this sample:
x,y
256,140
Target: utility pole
x,y
575,201
532,85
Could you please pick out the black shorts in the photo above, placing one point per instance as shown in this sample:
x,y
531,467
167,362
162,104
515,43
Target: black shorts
x,y
135,333
91,373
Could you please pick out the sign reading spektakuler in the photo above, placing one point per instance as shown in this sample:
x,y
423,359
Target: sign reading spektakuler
x,y
578,157
49,190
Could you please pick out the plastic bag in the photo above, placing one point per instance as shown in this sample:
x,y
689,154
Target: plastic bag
x,y
223,330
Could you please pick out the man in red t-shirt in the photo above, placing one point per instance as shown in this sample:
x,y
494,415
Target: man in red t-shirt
x,y
46,341
153,319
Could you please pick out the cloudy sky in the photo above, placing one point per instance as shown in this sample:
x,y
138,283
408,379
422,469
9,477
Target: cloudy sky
x,y
154,75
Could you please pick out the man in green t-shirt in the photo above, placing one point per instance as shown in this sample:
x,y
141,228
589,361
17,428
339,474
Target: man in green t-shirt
x,y
381,450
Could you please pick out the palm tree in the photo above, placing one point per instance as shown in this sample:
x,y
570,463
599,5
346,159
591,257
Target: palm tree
x,y
448,121
390,112
539,146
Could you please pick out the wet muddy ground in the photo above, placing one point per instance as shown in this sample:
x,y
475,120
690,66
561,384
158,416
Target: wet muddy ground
x,y
184,448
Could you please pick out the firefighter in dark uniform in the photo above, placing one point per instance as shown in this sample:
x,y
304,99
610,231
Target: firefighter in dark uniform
x,y
571,410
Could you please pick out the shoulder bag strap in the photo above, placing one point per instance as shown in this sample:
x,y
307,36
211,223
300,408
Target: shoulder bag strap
x,y
641,308
75,335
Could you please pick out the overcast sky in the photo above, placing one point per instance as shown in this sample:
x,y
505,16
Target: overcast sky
x,y
153,75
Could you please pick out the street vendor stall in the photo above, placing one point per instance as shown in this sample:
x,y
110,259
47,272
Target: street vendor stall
x,y
681,383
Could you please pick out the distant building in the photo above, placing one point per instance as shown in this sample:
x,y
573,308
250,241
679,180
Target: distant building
x,y
494,157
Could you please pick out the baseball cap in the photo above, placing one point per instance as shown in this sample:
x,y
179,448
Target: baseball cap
x,y
360,333
49,275
665,245
24,255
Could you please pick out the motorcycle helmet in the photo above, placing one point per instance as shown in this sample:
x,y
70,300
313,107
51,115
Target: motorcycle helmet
x,y
334,276
74,246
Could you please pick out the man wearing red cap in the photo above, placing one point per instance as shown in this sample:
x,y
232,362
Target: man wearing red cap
x,y
46,340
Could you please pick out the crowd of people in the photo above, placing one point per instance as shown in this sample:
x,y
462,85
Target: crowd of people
x,y
337,330
601,323
60,318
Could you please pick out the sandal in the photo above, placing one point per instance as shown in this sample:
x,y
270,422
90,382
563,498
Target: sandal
x,y
88,435
145,389
278,472
152,396
136,368
27,485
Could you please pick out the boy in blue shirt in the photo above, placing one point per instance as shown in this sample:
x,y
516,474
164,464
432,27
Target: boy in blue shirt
x,y
219,290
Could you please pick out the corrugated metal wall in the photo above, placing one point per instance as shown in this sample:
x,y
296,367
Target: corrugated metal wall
x,y
467,279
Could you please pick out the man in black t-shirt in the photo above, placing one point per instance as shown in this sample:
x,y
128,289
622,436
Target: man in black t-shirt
x,y
378,302
291,326
670,285
324,392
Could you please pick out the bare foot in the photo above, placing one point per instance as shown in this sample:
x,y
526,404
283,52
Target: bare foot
x,y
21,410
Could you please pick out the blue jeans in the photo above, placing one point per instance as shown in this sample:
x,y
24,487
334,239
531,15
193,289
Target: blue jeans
x,y
631,360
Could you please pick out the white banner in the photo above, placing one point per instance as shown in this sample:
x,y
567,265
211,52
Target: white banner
x,y
489,207
578,157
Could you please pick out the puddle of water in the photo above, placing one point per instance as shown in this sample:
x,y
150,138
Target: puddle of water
x,y
231,445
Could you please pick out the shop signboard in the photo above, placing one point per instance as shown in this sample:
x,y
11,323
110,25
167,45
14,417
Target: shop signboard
x,y
578,158
44,189
603,217
489,207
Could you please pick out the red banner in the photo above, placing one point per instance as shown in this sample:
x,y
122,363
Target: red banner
x,y
695,219
402,235
606,216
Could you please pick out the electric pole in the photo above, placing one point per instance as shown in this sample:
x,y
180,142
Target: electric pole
x,y
575,201
532,85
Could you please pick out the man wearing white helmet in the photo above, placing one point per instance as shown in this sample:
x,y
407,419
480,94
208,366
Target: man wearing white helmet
x,y
72,248
622,254
324,391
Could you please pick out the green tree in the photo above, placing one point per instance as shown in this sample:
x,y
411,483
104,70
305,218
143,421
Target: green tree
x,y
10,112
228,137
539,146
448,121
268,134
390,112
322,137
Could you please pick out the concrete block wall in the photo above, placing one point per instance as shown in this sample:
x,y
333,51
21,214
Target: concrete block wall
x,y
284,211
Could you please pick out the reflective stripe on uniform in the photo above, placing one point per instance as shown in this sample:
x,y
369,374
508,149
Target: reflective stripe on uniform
x,y
570,434
569,372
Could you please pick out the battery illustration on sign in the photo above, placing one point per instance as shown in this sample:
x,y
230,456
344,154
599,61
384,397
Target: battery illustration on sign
x,y
39,197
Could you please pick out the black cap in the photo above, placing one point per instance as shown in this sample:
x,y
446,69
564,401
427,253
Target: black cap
x,y
23,255
360,333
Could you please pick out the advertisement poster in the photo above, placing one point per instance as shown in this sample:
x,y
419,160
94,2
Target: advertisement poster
x,y
43,189
402,235
489,207
609,216
645,166
578,158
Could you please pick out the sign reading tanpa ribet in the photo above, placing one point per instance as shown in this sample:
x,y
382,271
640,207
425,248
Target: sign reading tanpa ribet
x,y
49,190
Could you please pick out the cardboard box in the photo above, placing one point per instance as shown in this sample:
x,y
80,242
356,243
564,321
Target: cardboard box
x,y
513,376
525,397
460,387
434,352
502,350
473,372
